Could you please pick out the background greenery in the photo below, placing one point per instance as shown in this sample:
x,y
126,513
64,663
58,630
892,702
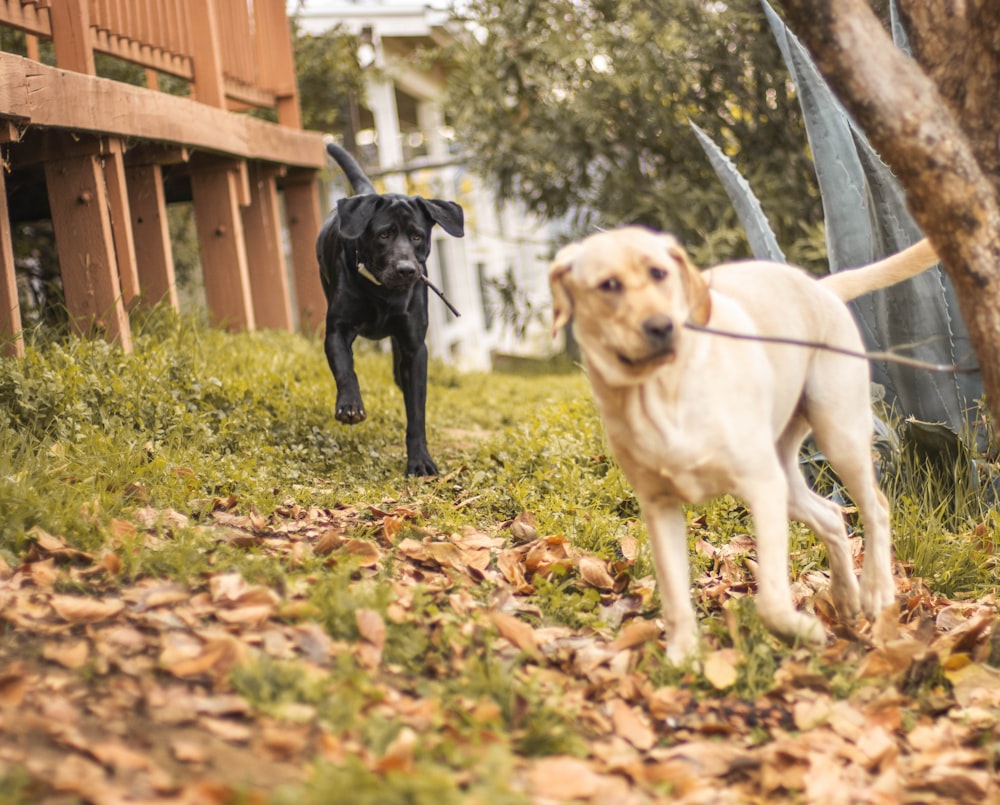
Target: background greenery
x,y
583,110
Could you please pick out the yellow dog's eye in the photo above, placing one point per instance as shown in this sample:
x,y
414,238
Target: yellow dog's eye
x,y
611,285
656,273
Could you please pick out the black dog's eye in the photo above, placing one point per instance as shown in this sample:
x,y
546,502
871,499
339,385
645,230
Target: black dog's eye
x,y
656,273
384,235
416,237
611,285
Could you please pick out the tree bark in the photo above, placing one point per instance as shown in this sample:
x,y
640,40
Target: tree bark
x,y
934,122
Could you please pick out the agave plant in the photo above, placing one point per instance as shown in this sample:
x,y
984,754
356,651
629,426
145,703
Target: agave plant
x,y
866,219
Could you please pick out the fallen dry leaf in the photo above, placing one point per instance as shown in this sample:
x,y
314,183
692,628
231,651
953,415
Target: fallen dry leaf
x,y
563,779
77,609
594,572
631,726
515,630
71,654
721,668
635,633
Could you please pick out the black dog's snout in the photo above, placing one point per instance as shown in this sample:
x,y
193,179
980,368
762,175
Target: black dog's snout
x,y
659,328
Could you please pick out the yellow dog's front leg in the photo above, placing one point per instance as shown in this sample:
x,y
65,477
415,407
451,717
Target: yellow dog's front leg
x,y
668,538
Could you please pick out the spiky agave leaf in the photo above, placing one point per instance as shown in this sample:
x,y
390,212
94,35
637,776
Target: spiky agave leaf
x,y
846,204
763,242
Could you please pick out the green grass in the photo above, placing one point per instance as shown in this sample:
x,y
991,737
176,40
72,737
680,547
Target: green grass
x,y
87,434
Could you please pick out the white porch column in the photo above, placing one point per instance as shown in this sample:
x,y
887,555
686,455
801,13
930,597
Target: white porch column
x,y
430,118
382,99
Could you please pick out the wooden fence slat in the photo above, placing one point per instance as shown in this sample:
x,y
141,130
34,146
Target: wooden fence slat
x,y
71,35
180,25
209,86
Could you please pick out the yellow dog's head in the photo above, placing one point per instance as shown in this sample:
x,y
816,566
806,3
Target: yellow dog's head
x,y
629,292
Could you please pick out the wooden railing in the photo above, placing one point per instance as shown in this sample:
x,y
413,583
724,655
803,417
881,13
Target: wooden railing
x,y
116,140
166,36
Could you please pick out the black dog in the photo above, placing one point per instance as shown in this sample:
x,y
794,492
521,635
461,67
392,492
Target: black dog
x,y
372,254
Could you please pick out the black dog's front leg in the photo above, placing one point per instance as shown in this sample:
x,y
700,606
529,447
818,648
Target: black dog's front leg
x,y
340,355
410,369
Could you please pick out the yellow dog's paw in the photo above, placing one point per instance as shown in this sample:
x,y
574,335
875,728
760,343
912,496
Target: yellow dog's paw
x,y
878,590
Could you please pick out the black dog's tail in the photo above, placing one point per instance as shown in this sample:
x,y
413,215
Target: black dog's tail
x,y
351,168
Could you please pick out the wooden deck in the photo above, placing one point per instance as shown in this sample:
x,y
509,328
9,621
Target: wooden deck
x,y
100,156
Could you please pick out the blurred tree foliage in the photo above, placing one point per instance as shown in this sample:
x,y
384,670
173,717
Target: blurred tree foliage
x,y
580,109
329,78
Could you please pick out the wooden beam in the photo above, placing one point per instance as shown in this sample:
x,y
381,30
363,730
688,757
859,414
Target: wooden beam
x,y
153,254
59,99
82,224
11,337
303,221
265,255
216,195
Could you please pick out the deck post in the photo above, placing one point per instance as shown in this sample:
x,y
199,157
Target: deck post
x,y
303,220
153,253
265,255
82,223
218,191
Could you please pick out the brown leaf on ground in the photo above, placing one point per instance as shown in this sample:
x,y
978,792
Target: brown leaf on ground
x,y
635,633
632,726
594,572
71,654
564,779
77,609
523,528
515,630
721,668
546,554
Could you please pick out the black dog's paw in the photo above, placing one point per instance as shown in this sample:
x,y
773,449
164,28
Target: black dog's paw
x,y
422,466
351,413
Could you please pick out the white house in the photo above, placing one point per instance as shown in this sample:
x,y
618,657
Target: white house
x,y
406,144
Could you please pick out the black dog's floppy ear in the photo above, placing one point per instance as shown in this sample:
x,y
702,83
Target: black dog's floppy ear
x,y
447,213
355,213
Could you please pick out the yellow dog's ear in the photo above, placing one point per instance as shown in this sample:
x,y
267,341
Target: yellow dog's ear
x,y
695,288
562,302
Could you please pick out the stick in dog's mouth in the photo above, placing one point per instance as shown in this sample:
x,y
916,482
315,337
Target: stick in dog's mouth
x,y
438,291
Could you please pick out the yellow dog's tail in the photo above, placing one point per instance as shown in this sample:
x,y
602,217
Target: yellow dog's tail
x,y
854,282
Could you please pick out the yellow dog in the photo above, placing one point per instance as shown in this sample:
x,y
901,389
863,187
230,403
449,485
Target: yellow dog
x,y
691,415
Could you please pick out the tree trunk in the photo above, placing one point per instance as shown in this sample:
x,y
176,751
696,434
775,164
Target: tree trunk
x,y
935,124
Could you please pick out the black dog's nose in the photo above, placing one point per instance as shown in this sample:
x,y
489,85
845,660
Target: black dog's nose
x,y
658,328
406,269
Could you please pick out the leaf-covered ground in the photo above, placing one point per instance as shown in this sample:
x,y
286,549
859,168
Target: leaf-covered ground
x,y
378,640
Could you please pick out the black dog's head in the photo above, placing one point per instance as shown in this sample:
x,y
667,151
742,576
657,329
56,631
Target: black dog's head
x,y
393,233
